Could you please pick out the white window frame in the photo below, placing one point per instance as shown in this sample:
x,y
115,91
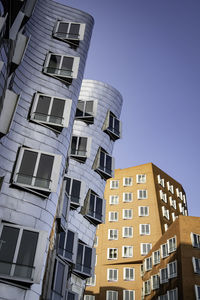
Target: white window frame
x,y
145,226
128,250
194,244
174,295
166,227
127,197
89,297
113,199
127,214
87,117
128,295
170,187
112,253
129,229
114,235
111,131
155,283
165,212
54,172
148,263
113,213
91,281
102,169
163,196
127,181
166,253
113,273
172,202
173,266
77,155
130,277
142,194
156,257
165,279
81,31
196,264
161,181
197,291
141,178
114,184
145,248
147,287
143,211
111,295
172,244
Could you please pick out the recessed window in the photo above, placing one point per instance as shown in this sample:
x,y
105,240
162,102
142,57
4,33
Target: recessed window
x,y
67,245
197,291
144,229
74,189
163,275
51,111
172,202
170,187
165,212
37,171
114,184
127,214
155,282
113,199
62,67
164,250
156,257
59,279
80,148
113,216
172,269
196,264
111,295
171,244
127,181
174,217
142,194
112,234
127,232
94,208
127,197
85,260
112,253
91,281
112,126
166,227
141,178
127,251
148,263
147,287
163,196
21,253
129,274
112,274
86,111
143,211
161,181
69,32
172,294
145,248
128,295
103,164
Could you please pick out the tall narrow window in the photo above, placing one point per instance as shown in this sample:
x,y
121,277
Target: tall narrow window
x,y
155,282
104,164
112,126
85,260
59,279
74,189
67,245
129,274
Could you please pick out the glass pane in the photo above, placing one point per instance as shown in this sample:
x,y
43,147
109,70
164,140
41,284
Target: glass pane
x,y
67,64
87,260
70,296
68,183
74,31
75,192
101,162
116,126
57,111
111,120
108,164
8,243
99,207
89,108
62,29
41,112
61,243
58,281
82,144
73,145
69,245
44,171
54,64
79,257
27,167
26,254
80,108
92,205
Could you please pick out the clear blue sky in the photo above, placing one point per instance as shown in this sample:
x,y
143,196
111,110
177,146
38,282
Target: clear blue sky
x,y
150,51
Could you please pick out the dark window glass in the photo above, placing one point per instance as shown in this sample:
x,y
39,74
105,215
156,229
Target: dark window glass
x,y
54,64
89,108
74,31
101,163
68,184
75,191
69,244
79,258
67,65
87,260
27,167
80,109
108,167
62,29
99,207
82,146
59,276
70,296
84,109
44,171
42,108
57,111
92,205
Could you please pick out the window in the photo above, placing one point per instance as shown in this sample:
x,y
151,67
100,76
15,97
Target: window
x,y
142,194
179,194
155,282
172,294
166,227
74,189
144,229
37,171
148,263
85,260
164,250
127,232
114,184
94,208
141,178
143,211
165,212
59,279
147,287
127,251
127,181
111,295
67,246
197,292
145,248
91,281
163,275
112,253
96,241
80,148
112,234
196,264
156,257
89,297
113,199
141,270
21,253
174,217
69,31
127,197
127,214
104,164
163,196
61,66
181,208
113,216
112,274
170,187
51,111
112,126
171,244
86,111
172,269
172,202
195,238
129,274
184,199
163,297
161,181
128,295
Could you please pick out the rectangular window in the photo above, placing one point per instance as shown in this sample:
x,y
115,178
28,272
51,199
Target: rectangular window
x,y
51,111
67,246
163,275
197,291
172,269
128,295
113,216
127,251
127,214
112,274
127,197
104,164
127,232
143,211
170,187
161,181
89,297
164,250
148,263
163,196
174,217
74,189
96,241
172,294
59,279
196,264
147,287
155,282
112,253
141,178
94,208
141,194
171,244
144,229
129,274
114,184
21,253
69,31
145,248
113,199
86,111
165,212
172,202
111,295
85,260
37,171
91,281
195,238
80,148
112,126
112,234
156,257
127,181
